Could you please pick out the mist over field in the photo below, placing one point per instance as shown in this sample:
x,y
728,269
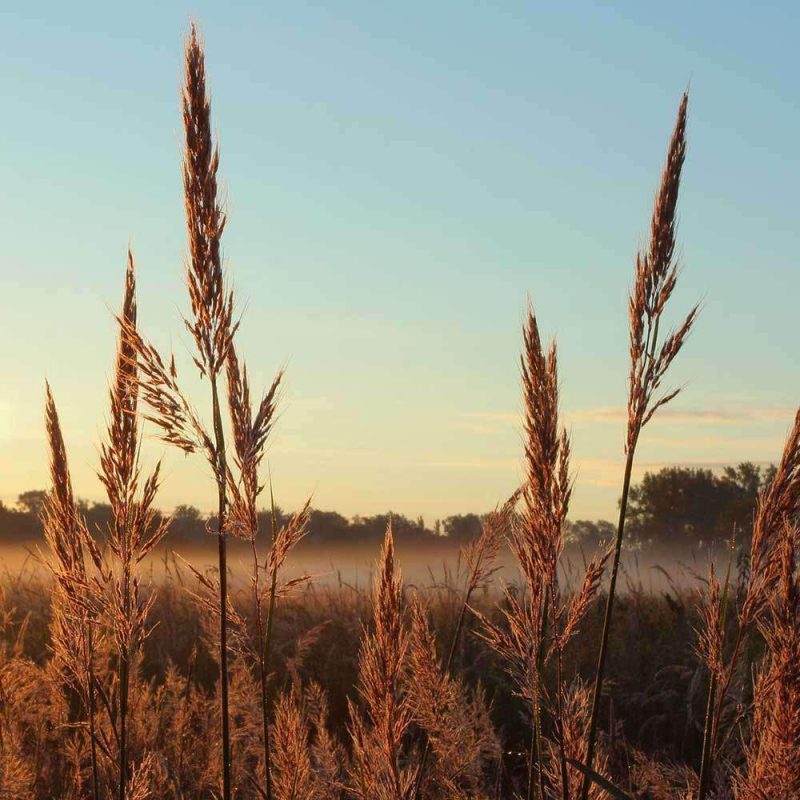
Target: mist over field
x,y
679,521
428,566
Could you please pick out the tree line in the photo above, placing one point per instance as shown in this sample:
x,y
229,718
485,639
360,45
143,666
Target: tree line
x,y
684,507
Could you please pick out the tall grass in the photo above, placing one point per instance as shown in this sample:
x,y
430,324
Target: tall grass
x,y
197,690
539,625
479,556
136,529
655,278
74,618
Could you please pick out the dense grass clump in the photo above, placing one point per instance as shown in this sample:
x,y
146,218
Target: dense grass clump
x,y
657,709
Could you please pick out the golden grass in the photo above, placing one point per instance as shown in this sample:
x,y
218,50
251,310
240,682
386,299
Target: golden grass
x,y
286,691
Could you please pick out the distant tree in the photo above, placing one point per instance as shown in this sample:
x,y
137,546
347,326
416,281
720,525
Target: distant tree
x,y
590,535
98,517
462,527
264,517
32,502
676,505
695,507
742,485
22,522
327,527
373,529
187,523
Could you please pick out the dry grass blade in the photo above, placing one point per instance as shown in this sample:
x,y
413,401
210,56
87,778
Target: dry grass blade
x,y
378,733
480,554
656,276
211,325
170,411
655,279
778,504
773,753
458,728
710,631
250,433
73,618
293,777
517,640
581,602
288,536
212,304
136,527
119,453
306,760
577,704
537,542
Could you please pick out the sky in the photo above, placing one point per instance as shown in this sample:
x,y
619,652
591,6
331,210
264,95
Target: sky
x,y
400,179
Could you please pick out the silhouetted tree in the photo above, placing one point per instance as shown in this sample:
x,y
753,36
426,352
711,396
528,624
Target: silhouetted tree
x,y
694,507
373,529
16,524
188,524
32,502
327,526
98,517
677,505
462,527
590,535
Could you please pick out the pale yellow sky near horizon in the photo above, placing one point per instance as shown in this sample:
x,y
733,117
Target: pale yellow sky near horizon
x,y
432,484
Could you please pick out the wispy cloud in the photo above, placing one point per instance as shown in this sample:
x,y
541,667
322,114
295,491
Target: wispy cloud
x,y
476,462
492,416
488,423
496,421
712,416
607,473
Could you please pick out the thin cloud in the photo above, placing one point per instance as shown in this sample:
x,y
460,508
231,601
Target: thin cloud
x,y
476,462
492,416
486,421
734,444
608,472
712,416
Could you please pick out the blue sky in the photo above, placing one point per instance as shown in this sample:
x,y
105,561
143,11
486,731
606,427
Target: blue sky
x,y
400,178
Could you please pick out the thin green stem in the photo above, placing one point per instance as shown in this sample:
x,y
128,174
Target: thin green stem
x,y
559,698
601,659
265,654
705,760
124,680
221,472
535,754
262,673
124,666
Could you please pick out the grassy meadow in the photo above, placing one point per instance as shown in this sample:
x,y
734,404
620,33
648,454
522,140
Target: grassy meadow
x,y
655,720
513,666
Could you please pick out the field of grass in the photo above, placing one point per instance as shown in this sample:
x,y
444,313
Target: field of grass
x,y
656,712
250,680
